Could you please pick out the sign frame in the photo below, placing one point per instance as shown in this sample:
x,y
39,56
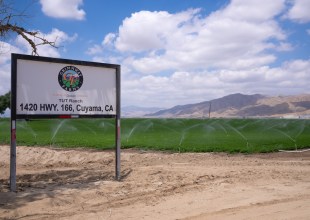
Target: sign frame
x,y
15,116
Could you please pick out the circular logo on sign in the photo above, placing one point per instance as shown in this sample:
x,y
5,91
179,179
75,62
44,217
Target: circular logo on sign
x,y
70,78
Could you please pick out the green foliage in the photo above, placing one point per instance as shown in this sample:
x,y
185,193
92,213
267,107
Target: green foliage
x,y
5,102
210,135
179,135
64,133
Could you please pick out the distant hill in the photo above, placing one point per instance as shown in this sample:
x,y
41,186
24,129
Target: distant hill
x,y
135,111
240,105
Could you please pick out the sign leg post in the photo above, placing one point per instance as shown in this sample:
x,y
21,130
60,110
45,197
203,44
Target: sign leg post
x,y
13,157
118,151
118,126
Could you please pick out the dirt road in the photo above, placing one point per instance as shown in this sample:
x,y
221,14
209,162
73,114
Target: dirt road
x,y
79,184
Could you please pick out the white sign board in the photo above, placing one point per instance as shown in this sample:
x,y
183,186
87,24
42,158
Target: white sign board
x,y
44,87
55,88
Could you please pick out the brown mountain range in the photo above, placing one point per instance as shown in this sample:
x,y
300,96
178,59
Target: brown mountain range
x,y
240,105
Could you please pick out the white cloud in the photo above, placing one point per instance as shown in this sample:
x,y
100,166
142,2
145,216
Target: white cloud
x,y
252,10
184,41
68,9
107,42
146,30
187,57
57,36
5,78
5,52
300,11
95,49
192,87
283,46
5,66
109,39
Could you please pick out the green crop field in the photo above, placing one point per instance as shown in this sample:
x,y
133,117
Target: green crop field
x,y
180,135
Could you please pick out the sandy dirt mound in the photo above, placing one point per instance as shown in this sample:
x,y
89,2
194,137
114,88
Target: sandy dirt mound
x,y
79,184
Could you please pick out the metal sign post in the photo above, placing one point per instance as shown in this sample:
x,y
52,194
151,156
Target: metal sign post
x,y
44,87
118,127
13,128
13,157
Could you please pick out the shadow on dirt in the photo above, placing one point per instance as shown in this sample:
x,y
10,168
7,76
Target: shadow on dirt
x,y
32,187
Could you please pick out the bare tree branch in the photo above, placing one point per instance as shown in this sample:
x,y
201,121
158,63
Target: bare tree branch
x,y
7,26
4,29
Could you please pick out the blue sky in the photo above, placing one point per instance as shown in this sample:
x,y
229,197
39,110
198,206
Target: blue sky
x,y
176,52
